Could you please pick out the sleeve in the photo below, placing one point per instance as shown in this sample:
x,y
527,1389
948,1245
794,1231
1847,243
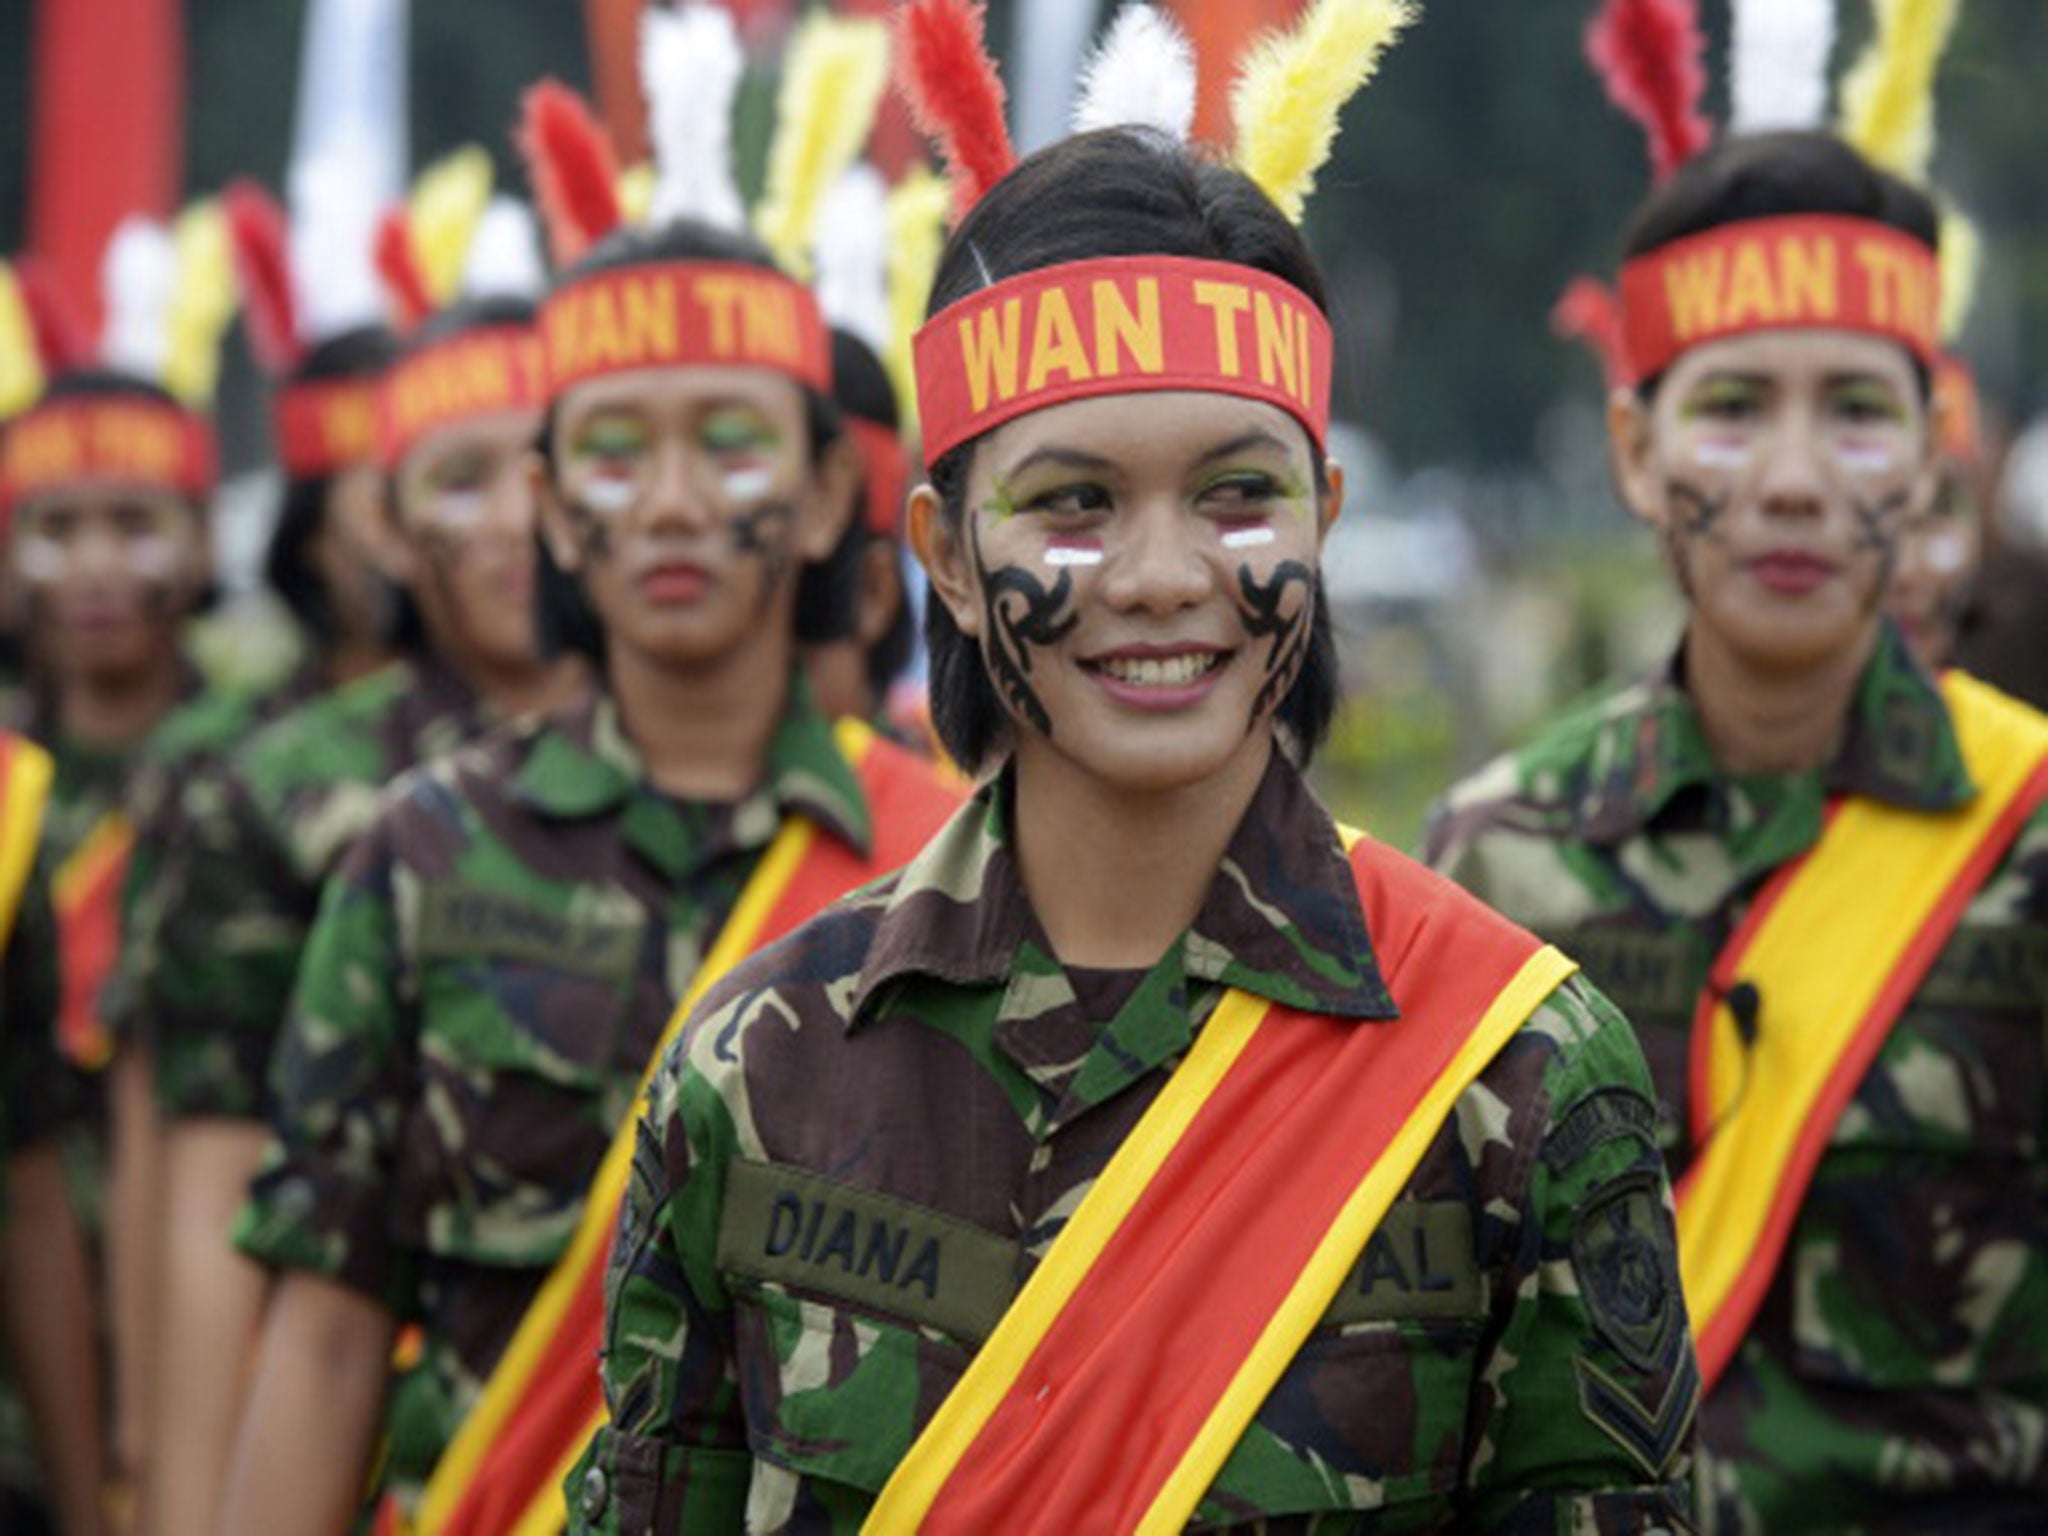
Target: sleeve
x,y
1592,1389
39,1092
672,1458
340,1081
224,931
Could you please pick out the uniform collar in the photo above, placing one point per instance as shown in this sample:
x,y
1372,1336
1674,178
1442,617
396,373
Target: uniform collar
x,y
581,764
1651,748
1281,919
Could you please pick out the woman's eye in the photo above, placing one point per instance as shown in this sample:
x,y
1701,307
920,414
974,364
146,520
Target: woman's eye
x,y
1867,407
736,433
1069,500
1726,404
1238,493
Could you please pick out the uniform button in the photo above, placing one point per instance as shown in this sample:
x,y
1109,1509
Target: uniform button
x,y
595,1491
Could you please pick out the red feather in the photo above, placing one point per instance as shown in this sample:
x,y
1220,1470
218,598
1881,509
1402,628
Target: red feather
x,y
954,93
61,339
398,263
1648,54
257,228
570,163
1590,312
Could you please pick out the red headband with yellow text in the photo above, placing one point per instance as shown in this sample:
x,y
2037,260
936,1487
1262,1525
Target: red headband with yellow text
x,y
485,372
1119,325
684,314
325,426
1800,271
114,440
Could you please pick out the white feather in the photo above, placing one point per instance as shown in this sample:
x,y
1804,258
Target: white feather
x,y
504,254
1778,66
690,67
139,275
335,198
853,257
1144,73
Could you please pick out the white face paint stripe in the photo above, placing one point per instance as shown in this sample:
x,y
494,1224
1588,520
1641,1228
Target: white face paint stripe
x,y
1068,554
1867,458
1248,538
1710,454
610,495
747,484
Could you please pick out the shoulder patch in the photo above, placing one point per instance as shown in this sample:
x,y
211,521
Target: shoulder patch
x,y
1625,1250
1607,1114
1652,1434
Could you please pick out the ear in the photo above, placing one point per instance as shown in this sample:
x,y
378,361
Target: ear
x,y
943,554
552,517
1629,454
881,591
831,500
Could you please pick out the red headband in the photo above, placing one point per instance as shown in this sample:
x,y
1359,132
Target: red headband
x,y
476,373
1119,325
1803,271
684,314
886,467
1955,391
325,426
112,439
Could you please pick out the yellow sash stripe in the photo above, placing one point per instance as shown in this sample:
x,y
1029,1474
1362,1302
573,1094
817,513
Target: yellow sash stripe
x,y
1819,961
479,1430
108,842
23,796
1324,1274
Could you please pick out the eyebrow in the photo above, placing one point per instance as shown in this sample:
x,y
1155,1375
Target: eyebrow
x,y
1065,458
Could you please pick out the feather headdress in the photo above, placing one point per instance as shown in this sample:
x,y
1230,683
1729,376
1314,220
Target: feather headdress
x,y
1143,72
1292,86
955,94
570,165
1589,312
1648,54
915,217
260,238
21,364
62,342
1888,96
690,69
504,257
170,293
1962,263
1778,66
405,279
138,275
853,257
832,82
448,199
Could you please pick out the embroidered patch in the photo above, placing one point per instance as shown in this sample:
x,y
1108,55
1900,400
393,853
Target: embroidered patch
x,y
1625,1250
1651,1434
1609,1114
462,922
1419,1264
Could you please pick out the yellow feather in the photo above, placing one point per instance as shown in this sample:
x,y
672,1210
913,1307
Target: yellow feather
x,y
448,199
1888,97
1292,86
21,366
832,83
1962,260
915,215
636,192
202,303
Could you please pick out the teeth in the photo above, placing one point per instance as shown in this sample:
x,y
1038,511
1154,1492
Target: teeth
x,y
1159,671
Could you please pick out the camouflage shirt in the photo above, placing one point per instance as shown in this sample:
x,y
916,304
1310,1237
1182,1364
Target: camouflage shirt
x,y
491,969
167,783
259,830
915,1069
1896,1377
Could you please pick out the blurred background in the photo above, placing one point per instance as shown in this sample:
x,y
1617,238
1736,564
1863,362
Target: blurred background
x,y
1483,573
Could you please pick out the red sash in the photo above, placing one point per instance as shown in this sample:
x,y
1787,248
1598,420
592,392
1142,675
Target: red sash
x,y
86,891
1136,1356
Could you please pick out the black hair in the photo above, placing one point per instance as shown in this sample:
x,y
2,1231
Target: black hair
x,y
828,591
1773,175
1112,192
567,621
363,352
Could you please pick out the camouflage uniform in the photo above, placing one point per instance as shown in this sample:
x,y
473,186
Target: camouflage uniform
x,y
1896,1377
186,750
261,828
490,971
917,1058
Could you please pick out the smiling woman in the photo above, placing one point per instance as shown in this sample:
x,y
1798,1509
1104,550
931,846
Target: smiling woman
x,y
1178,1084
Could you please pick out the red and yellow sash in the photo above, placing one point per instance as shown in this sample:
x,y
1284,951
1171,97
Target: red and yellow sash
x,y
1219,1234
25,774
503,1471
86,890
1834,946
